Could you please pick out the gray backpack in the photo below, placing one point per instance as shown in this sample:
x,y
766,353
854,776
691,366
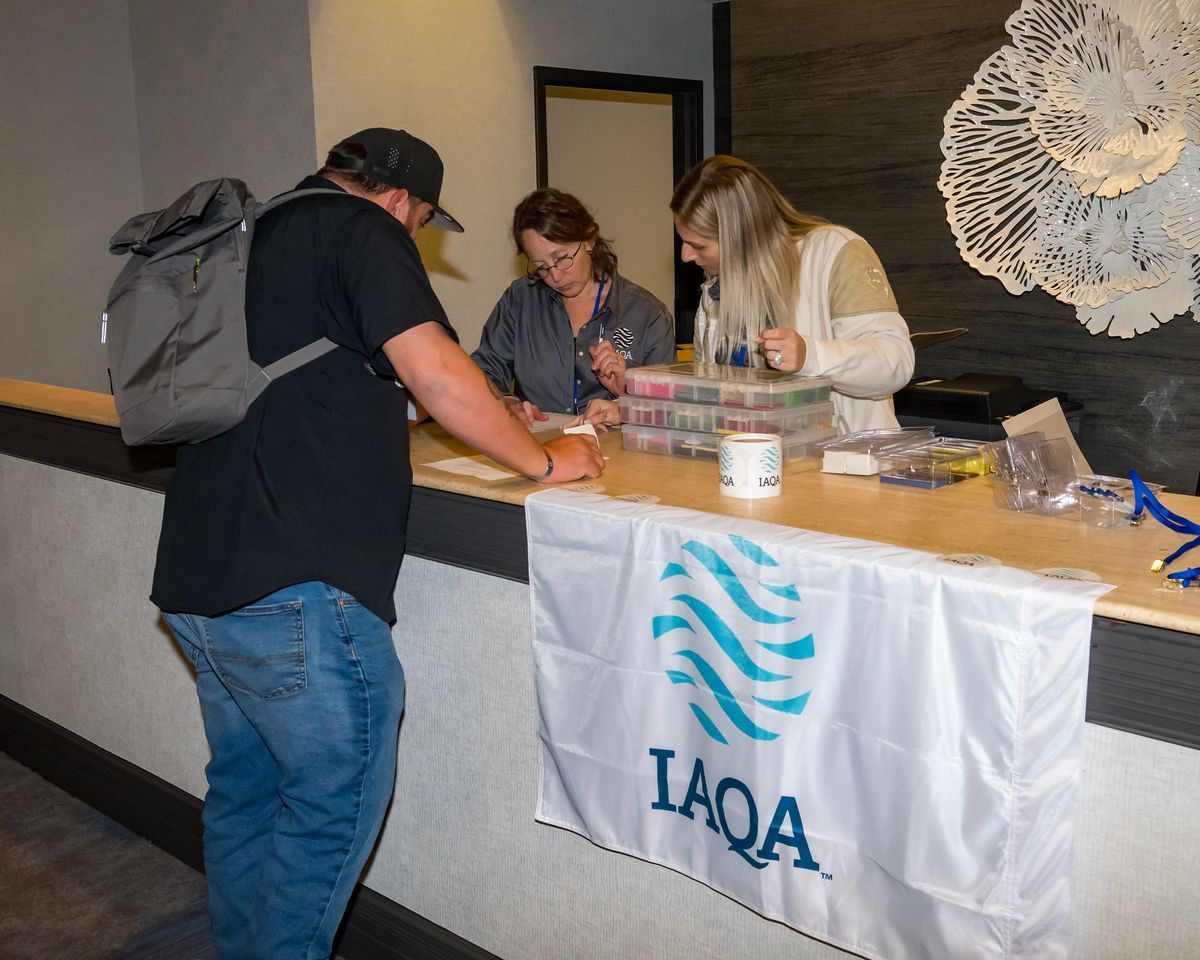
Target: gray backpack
x,y
176,323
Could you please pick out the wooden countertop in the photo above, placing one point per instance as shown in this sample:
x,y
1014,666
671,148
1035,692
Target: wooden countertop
x,y
59,401
957,519
960,518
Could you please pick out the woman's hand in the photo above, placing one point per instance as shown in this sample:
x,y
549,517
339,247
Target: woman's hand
x,y
528,413
602,414
609,366
783,349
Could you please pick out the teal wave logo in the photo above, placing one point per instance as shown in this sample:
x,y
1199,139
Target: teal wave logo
x,y
716,667
768,461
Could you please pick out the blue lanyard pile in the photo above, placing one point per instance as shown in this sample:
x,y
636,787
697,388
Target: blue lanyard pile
x,y
1144,499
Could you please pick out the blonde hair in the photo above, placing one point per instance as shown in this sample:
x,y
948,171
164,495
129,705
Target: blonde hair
x,y
732,202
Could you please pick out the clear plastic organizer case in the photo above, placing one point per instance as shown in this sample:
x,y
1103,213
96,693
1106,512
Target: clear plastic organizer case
x,y
935,464
712,383
712,418
705,446
1108,501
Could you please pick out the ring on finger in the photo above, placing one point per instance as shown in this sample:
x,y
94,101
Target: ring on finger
x,y
777,359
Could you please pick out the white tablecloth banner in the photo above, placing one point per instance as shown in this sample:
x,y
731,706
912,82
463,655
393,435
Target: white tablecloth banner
x,y
876,747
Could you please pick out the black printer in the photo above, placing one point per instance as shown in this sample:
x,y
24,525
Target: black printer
x,y
973,406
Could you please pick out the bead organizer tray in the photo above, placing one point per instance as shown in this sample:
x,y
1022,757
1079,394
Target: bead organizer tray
x,y
711,418
711,383
705,446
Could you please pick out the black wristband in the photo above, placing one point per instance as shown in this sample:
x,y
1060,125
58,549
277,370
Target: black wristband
x,y
549,468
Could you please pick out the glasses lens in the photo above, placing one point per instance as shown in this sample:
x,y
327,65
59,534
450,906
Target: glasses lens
x,y
560,264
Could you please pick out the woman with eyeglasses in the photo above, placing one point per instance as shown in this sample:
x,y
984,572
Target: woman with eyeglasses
x,y
790,291
561,338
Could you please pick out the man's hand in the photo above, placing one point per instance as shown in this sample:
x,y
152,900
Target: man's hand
x,y
609,366
447,383
574,456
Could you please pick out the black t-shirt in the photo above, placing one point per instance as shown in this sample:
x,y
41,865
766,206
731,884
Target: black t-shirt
x,y
315,483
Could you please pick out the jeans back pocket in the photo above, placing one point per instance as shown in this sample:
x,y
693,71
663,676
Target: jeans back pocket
x,y
260,649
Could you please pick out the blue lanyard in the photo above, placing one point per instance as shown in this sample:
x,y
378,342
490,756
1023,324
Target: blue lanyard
x,y
1144,499
574,378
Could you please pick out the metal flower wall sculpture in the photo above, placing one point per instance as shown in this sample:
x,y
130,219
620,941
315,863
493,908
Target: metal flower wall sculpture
x,y
1072,161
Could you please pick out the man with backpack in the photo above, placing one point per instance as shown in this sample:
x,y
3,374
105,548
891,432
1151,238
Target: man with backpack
x,y
283,536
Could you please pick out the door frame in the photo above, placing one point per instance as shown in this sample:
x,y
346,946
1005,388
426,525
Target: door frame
x,y
687,149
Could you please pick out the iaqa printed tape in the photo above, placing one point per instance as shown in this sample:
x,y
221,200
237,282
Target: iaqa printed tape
x,y
751,466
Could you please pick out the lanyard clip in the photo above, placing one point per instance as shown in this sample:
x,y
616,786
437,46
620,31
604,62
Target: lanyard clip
x,y
1183,579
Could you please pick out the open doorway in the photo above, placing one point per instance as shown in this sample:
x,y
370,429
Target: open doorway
x,y
620,142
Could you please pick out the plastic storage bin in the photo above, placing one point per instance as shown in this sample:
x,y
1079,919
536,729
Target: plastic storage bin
x,y
1107,501
935,464
714,418
862,453
705,446
711,383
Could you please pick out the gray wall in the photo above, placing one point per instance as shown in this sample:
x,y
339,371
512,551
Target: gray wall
x,y
70,174
841,102
224,88
112,107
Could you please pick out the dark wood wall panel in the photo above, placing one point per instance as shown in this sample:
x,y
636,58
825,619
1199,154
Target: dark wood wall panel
x,y
841,103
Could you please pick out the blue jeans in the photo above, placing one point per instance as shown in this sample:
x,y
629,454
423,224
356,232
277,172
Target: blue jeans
x,y
301,695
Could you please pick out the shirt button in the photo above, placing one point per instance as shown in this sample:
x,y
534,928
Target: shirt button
x,y
581,353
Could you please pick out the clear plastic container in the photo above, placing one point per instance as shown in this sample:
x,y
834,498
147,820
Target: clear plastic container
x,y
1033,473
714,418
861,453
705,446
711,383
935,464
1107,501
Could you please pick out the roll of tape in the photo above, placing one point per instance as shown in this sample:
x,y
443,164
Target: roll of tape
x,y
751,465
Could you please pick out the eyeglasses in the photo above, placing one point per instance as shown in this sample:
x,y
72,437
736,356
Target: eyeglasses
x,y
560,263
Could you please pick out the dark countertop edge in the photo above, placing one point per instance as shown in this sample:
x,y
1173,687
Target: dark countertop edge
x,y
1143,680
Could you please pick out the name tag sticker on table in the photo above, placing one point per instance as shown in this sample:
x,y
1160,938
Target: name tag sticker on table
x,y
584,487
970,559
1068,573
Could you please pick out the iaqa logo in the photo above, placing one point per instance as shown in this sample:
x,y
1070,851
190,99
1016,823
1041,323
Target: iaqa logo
x,y
730,640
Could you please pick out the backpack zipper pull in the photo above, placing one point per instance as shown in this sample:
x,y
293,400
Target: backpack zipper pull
x,y
196,277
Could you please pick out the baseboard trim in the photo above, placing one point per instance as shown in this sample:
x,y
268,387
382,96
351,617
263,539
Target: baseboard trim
x,y
375,927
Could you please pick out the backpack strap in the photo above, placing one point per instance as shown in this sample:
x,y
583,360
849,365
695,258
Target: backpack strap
x,y
294,360
297,194
309,352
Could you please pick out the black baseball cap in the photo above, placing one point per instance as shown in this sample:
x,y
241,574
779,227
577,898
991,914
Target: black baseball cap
x,y
399,159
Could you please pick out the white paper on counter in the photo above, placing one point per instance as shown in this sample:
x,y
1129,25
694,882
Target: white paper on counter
x,y
467,467
556,422
1048,417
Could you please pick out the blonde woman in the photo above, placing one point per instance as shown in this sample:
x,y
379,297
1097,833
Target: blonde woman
x,y
790,291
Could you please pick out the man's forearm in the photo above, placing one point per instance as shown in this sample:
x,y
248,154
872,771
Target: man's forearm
x,y
456,393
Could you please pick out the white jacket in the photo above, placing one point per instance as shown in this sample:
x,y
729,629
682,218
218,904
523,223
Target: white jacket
x,y
847,316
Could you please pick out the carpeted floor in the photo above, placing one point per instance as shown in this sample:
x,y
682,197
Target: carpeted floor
x,y
74,884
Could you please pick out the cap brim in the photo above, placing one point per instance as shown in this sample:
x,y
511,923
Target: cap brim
x,y
443,221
